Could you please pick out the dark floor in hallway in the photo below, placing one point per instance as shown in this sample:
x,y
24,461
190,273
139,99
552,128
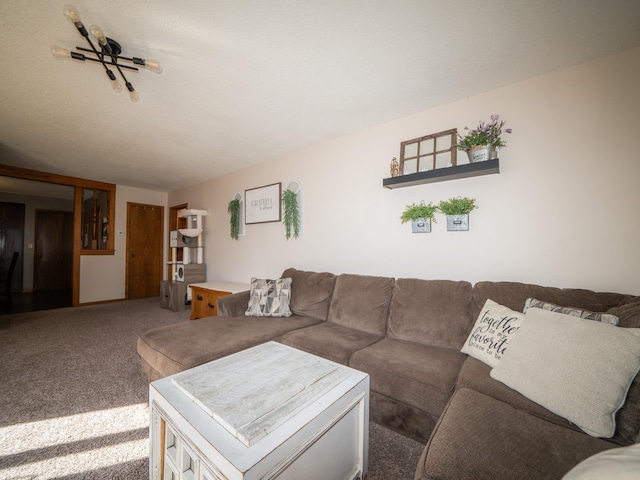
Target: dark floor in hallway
x,y
34,301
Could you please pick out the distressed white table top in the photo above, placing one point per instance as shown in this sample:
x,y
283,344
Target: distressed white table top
x,y
254,391
221,286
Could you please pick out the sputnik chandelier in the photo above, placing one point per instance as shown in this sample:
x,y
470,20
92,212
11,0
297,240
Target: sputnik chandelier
x,y
108,55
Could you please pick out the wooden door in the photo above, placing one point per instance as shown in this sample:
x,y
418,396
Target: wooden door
x,y
12,240
144,250
53,254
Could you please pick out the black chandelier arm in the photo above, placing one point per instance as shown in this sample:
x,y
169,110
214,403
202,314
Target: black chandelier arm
x,y
135,60
83,31
132,91
110,74
112,62
126,82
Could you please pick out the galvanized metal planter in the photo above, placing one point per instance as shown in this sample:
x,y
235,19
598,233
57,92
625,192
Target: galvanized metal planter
x,y
481,153
458,223
421,225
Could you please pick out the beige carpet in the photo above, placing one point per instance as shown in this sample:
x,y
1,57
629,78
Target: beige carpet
x,y
73,404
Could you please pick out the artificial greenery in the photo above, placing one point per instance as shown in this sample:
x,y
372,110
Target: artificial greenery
x,y
291,213
416,212
234,210
457,206
485,134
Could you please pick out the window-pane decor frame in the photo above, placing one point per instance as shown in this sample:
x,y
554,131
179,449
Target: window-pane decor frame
x,y
425,153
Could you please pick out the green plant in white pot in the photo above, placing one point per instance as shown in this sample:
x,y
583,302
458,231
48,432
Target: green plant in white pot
x,y
457,210
420,216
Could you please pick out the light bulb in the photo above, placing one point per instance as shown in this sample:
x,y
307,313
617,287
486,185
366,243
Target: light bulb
x,y
116,85
60,53
97,33
71,13
153,66
132,93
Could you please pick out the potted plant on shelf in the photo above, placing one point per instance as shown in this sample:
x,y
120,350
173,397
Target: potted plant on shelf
x,y
457,210
482,143
420,216
290,213
234,211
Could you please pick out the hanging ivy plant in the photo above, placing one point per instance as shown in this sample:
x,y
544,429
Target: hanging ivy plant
x,y
234,221
291,213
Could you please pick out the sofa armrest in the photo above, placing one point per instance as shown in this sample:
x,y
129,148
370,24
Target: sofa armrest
x,y
233,305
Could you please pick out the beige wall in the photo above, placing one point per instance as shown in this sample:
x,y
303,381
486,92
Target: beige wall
x,y
102,277
562,212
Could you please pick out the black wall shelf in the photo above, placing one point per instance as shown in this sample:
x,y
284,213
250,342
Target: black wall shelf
x,y
441,174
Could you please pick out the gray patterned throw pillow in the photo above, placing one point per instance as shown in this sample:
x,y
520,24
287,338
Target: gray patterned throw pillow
x,y
269,298
574,312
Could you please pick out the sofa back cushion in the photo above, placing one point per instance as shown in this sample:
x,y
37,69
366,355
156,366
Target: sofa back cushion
x,y
310,292
361,302
431,312
514,295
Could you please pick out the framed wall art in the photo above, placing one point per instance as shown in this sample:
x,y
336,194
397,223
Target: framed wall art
x,y
262,204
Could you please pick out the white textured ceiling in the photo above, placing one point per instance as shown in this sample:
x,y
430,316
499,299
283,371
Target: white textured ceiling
x,y
247,81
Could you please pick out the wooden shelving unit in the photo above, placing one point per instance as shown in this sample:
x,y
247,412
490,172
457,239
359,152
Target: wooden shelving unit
x,y
487,167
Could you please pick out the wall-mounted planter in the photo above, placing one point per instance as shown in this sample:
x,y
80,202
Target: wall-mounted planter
x,y
288,215
421,225
458,223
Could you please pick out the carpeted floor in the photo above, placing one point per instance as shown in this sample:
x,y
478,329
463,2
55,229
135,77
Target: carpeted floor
x,y
73,404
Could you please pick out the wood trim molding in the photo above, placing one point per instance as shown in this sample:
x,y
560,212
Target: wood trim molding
x,y
26,174
79,184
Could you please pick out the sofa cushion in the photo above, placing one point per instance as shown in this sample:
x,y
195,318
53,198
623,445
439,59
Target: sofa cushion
x,y
579,369
418,375
514,296
310,292
330,340
174,348
480,437
490,335
361,302
269,298
431,312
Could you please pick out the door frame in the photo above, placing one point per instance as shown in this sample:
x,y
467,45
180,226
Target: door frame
x,y
79,184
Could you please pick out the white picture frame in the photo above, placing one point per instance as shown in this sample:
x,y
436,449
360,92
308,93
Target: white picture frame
x,y
262,204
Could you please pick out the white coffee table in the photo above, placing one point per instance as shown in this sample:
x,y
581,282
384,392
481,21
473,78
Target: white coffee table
x,y
267,412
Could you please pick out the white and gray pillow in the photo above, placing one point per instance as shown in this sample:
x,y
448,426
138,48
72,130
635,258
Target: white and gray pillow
x,y
269,298
575,312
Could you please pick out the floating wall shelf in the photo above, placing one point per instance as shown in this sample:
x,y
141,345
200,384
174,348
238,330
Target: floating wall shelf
x,y
441,174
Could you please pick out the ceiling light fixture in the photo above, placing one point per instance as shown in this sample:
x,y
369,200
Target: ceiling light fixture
x,y
108,55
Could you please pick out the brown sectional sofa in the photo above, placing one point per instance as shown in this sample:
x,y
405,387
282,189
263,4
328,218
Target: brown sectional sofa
x,y
407,335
